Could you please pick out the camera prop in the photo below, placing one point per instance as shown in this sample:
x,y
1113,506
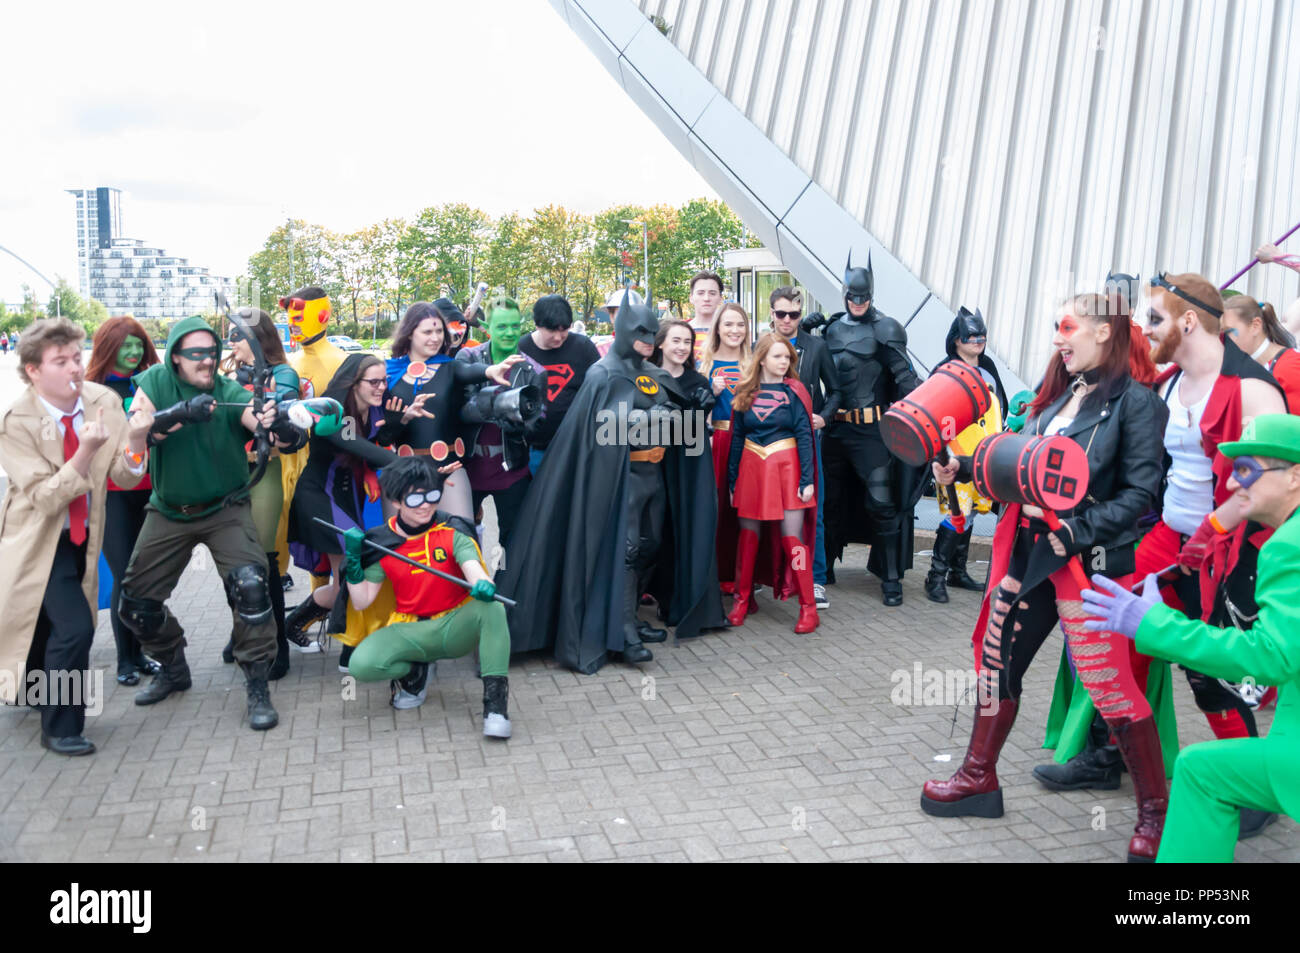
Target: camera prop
x,y
517,407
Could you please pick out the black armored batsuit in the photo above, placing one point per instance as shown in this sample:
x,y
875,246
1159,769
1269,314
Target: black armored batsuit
x,y
869,493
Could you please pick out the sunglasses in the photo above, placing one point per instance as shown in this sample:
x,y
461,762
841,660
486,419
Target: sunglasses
x,y
857,299
419,498
787,314
1159,281
1247,470
198,353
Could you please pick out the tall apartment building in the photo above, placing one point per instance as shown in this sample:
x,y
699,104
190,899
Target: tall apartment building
x,y
128,276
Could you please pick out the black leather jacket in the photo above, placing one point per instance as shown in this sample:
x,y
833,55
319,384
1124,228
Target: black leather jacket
x,y
1124,440
515,443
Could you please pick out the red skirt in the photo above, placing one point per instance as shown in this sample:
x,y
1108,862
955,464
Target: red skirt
x,y
768,482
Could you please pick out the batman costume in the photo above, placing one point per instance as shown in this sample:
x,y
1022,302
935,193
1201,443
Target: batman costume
x,y
869,493
620,505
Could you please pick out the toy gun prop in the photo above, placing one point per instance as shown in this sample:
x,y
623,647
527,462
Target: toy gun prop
x,y
458,580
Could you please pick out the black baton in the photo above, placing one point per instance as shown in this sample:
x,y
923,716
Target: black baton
x,y
437,572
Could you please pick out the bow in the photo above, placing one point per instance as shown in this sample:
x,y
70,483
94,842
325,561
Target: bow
x,y
262,377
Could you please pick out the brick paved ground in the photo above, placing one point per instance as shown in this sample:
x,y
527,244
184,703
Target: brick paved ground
x,y
754,743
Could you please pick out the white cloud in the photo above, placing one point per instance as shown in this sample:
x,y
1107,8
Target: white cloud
x,y
221,120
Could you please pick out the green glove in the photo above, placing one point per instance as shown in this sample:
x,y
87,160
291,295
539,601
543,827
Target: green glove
x,y
352,540
1017,410
483,590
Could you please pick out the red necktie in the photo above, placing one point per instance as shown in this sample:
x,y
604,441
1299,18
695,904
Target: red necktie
x,y
77,508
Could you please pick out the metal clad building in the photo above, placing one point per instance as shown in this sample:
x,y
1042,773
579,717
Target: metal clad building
x,y
992,153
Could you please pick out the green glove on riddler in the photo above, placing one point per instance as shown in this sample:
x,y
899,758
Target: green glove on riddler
x,y
483,590
352,540
1018,410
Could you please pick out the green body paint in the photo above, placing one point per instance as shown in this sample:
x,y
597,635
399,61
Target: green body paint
x,y
128,356
504,325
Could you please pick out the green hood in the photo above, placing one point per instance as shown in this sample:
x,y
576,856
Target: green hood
x,y
182,328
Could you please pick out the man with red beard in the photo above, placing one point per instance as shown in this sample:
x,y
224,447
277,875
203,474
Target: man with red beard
x,y
1212,389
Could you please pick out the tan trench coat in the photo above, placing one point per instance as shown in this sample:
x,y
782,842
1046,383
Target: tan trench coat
x,y
36,502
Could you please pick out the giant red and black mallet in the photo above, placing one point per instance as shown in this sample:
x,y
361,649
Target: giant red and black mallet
x,y
1048,472
917,428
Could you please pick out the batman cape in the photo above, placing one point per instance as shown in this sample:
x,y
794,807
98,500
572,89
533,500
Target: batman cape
x,y
566,564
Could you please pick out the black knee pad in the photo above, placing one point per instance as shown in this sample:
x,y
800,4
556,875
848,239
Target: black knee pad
x,y
144,617
880,486
247,592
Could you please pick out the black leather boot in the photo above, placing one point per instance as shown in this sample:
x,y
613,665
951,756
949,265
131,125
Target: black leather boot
x,y
496,697
633,650
1097,767
301,618
174,676
958,577
945,539
891,587
261,714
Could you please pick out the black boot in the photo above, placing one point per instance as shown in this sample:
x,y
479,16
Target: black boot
x,y
1253,822
228,653
649,633
633,650
174,676
1097,767
280,667
958,577
301,618
261,715
891,587
496,697
945,539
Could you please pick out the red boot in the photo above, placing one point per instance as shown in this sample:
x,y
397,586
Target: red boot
x,y
974,790
796,553
746,551
1140,745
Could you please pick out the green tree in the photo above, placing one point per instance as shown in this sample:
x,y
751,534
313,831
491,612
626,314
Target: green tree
x,y
438,247
381,267
348,263
64,300
617,251
554,238
506,258
670,268
293,256
708,229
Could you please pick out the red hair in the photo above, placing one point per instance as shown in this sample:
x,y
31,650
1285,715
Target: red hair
x,y
108,340
1121,357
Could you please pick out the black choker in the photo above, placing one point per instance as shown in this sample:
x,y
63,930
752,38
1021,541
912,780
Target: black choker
x,y
1085,380
415,530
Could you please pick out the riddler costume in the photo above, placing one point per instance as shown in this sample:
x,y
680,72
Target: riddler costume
x,y
1213,779
200,495
434,618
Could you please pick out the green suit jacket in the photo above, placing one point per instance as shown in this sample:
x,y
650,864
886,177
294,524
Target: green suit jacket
x,y
1269,652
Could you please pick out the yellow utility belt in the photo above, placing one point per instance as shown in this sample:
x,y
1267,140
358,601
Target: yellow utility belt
x,y
859,415
764,452
648,456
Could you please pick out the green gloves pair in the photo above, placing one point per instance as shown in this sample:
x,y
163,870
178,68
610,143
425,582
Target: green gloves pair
x,y
483,590
353,571
1018,410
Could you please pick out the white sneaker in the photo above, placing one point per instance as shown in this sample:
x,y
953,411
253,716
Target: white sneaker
x,y
496,726
819,597
311,648
403,699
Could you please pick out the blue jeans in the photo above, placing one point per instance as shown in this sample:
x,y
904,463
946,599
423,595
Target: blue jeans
x,y
819,548
534,459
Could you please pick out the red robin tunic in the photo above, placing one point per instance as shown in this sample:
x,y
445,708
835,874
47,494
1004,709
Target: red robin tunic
x,y
422,594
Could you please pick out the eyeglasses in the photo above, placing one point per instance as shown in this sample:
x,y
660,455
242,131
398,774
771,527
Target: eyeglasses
x,y
1159,281
198,353
419,498
786,314
1247,470
374,381
857,298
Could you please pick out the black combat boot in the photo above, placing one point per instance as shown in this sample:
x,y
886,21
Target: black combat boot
x,y
1097,767
496,697
945,540
261,715
174,676
958,577
301,618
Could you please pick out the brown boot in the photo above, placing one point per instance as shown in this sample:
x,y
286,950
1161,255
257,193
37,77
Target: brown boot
x,y
746,552
974,790
1140,745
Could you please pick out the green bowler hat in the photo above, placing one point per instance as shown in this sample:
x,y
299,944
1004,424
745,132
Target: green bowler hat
x,y
1269,435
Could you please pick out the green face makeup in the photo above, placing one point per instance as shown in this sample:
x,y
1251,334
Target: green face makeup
x,y
129,355
504,326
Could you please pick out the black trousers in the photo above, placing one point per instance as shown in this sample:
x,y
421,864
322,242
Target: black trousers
x,y
61,643
123,518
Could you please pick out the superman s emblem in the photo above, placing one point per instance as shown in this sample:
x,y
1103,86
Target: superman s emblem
x,y
557,378
766,402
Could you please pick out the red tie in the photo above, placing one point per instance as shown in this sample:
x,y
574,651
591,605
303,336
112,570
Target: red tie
x,y
77,508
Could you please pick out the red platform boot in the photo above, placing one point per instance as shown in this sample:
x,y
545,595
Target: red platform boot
x,y
974,790
746,552
796,554
1139,743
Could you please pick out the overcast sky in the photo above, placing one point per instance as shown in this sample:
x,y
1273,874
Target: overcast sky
x,y
220,120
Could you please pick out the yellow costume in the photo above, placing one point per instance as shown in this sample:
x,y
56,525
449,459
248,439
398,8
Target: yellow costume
x,y
964,445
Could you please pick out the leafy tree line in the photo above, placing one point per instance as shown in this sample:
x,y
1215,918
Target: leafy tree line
x,y
373,274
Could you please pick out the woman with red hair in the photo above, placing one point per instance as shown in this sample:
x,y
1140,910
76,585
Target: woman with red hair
x,y
1088,394
120,350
